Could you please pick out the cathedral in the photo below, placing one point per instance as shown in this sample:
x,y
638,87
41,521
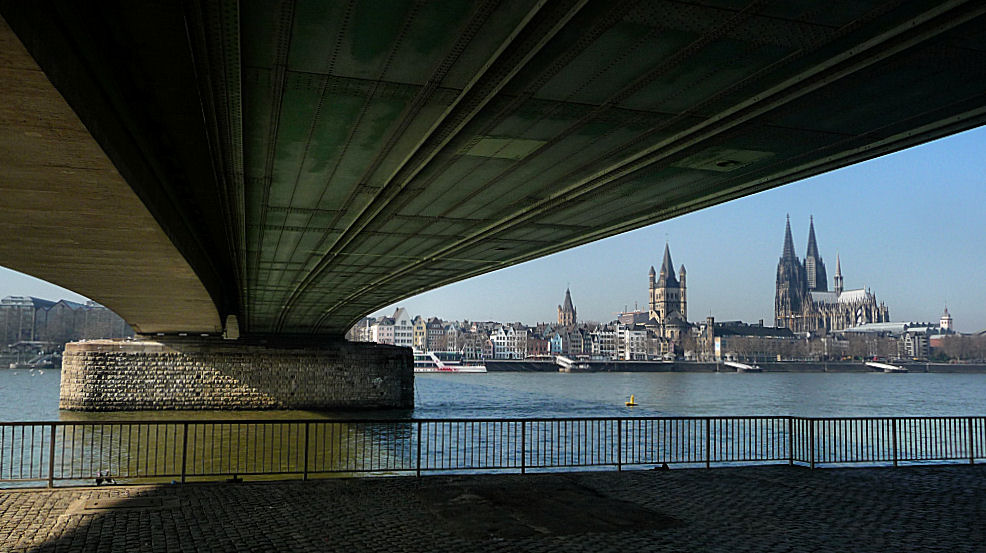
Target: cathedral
x,y
803,302
668,308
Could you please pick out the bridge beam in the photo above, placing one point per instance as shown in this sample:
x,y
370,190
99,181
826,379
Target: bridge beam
x,y
210,373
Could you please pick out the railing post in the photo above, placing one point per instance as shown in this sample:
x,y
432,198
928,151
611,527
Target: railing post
x,y
619,444
893,433
184,451
811,439
305,477
51,458
708,443
523,447
972,443
790,441
417,463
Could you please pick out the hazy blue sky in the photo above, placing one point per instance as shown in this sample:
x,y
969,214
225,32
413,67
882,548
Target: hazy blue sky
x,y
910,226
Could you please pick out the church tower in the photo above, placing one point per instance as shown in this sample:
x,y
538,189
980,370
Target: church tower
x,y
566,311
681,282
790,286
838,275
667,294
815,276
946,322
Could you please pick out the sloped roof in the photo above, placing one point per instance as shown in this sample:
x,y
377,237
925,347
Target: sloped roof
x,y
667,270
567,304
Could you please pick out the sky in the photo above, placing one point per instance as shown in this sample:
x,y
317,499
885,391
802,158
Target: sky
x,y
910,226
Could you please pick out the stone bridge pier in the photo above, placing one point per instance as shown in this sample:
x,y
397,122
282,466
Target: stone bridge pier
x,y
211,373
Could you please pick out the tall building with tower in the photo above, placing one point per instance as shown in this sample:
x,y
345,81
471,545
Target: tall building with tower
x,y
945,322
668,300
566,311
802,301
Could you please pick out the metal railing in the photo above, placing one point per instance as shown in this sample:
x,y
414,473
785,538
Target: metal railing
x,y
78,452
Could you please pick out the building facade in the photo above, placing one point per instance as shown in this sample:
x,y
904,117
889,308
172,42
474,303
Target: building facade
x,y
802,302
29,319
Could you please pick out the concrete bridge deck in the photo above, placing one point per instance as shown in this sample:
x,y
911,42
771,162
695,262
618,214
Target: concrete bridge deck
x,y
757,509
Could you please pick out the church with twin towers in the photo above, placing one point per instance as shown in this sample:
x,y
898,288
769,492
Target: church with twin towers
x,y
803,302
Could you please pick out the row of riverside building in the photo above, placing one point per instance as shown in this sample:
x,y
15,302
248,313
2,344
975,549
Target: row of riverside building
x,y
495,340
811,322
34,323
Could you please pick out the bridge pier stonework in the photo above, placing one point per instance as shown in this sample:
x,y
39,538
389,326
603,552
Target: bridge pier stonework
x,y
191,373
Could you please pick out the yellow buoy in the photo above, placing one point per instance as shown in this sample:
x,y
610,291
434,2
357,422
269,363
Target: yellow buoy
x,y
631,403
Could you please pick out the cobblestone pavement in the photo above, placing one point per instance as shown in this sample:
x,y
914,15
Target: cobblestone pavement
x,y
759,509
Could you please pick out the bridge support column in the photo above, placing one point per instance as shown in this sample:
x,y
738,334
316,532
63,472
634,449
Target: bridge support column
x,y
206,373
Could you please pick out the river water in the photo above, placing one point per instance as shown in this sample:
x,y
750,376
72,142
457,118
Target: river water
x,y
33,396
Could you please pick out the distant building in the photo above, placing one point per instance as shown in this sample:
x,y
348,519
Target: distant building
x,y
604,342
419,336
633,317
403,328
732,340
668,301
945,323
802,301
382,331
29,319
566,311
632,342
509,343
435,339
452,337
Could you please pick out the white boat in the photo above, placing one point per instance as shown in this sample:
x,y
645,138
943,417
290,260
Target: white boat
x,y
568,365
886,367
443,362
743,367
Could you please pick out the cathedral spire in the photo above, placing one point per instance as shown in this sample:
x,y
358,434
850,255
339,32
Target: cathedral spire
x,y
812,246
815,277
788,242
838,275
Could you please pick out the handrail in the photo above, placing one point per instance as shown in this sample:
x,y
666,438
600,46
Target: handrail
x,y
467,419
47,452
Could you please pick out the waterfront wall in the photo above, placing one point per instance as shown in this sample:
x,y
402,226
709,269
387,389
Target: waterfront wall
x,y
107,375
692,366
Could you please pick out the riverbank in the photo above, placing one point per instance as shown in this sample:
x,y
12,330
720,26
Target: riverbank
x,y
502,365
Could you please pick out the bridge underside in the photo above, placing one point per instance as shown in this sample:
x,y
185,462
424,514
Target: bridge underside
x,y
312,161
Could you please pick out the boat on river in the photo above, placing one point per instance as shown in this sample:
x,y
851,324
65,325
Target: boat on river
x,y
886,367
444,362
743,367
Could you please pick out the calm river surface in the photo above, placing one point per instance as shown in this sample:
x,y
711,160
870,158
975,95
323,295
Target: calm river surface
x,y
31,396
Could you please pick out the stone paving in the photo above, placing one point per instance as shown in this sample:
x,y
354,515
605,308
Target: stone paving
x,y
756,509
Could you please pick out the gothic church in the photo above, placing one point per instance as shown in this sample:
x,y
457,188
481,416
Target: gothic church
x,y
802,301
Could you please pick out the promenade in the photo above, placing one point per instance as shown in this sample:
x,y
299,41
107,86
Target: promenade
x,y
755,509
